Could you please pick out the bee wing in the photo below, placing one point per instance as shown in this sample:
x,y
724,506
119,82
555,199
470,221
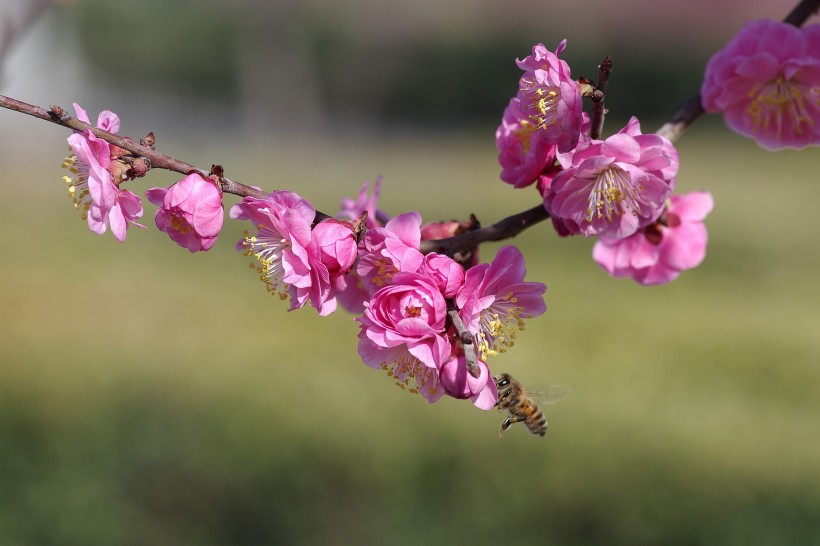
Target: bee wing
x,y
551,394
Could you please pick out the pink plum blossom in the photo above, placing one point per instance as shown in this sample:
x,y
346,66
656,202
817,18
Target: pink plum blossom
x,y
495,300
336,247
550,97
95,190
766,81
660,251
385,251
190,211
352,210
615,186
523,151
291,260
441,230
445,272
458,383
405,320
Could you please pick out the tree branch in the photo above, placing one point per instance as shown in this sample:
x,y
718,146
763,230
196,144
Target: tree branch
x,y
598,98
504,229
802,12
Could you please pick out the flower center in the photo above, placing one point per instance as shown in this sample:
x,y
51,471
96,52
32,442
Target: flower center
x,y
412,311
541,103
781,101
384,272
500,323
612,194
78,186
524,135
266,247
179,223
409,368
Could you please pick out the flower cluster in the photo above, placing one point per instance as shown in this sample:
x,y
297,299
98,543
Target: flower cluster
x,y
95,186
190,211
405,328
610,188
433,320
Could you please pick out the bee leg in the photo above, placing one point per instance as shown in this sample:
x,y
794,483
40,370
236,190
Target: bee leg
x,y
504,426
508,422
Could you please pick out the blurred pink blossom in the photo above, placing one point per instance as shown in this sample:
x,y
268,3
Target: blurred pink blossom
x,y
94,190
766,81
495,300
190,212
660,251
352,210
615,186
550,97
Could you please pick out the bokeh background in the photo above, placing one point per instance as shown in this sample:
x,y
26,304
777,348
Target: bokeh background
x,y
149,396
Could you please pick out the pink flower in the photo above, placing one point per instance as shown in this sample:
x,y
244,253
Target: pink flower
x,y
550,97
495,300
615,186
766,81
659,252
459,384
291,261
335,246
386,251
352,210
404,321
441,230
445,272
94,190
190,212
523,151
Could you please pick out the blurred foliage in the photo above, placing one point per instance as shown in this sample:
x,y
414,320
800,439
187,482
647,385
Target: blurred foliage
x,y
187,49
149,396
423,79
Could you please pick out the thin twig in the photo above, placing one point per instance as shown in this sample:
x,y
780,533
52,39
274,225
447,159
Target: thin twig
x,y
58,115
802,12
466,339
504,229
599,97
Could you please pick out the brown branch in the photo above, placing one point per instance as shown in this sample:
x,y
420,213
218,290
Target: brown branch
x,y
692,108
504,229
802,12
465,337
687,113
157,160
598,97
58,115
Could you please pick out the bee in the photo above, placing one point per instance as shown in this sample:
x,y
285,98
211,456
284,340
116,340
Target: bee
x,y
519,404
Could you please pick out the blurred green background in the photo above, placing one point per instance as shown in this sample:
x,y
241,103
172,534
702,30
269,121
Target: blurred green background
x,y
150,396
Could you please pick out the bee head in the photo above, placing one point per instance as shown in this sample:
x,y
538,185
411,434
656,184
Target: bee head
x,y
502,380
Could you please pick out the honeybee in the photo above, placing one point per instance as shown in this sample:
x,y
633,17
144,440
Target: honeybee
x,y
519,404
